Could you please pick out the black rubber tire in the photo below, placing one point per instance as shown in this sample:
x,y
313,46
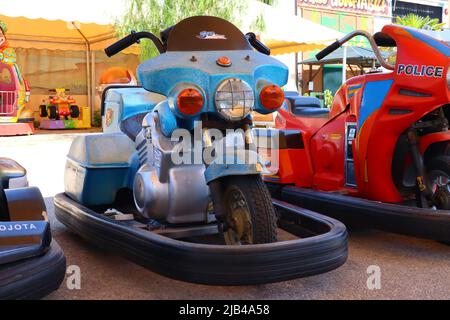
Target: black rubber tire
x,y
74,112
33,278
53,113
259,202
439,165
43,111
363,213
324,251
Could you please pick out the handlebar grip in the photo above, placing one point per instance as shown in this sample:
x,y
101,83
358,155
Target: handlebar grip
x,y
332,47
258,45
120,45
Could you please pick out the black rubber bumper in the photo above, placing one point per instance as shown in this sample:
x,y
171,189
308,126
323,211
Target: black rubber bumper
x,y
418,222
325,248
33,278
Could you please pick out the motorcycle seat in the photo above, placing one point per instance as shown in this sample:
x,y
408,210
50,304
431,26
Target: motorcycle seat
x,y
304,102
312,112
133,125
10,169
308,107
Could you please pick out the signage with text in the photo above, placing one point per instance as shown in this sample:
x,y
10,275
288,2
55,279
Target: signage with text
x,y
380,7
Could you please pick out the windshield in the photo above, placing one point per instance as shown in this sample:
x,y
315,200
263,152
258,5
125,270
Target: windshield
x,y
443,36
205,33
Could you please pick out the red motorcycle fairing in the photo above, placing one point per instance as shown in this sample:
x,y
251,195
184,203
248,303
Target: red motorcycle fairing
x,y
296,166
430,139
383,106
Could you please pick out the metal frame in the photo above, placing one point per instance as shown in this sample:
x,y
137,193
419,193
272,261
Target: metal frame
x,y
8,108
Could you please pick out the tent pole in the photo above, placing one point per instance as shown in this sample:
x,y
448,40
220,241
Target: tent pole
x,y
93,81
353,71
296,71
344,65
88,80
88,69
311,78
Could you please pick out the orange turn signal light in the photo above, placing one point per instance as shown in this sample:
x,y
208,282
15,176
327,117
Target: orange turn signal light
x,y
224,62
271,97
190,101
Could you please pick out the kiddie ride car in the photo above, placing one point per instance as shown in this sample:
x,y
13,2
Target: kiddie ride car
x,y
15,117
126,189
31,264
381,157
61,111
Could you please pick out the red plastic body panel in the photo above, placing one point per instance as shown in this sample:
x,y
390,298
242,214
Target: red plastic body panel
x,y
321,164
433,138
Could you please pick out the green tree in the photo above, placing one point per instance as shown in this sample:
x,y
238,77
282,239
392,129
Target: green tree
x,y
157,15
415,21
328,98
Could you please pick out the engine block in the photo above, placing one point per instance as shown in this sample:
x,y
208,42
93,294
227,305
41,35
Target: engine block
x,y
164,190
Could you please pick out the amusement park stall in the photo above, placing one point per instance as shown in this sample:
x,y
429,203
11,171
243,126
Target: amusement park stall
x,y
62,60
54,51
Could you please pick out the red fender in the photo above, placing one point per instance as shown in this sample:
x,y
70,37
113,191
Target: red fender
x,y
432,138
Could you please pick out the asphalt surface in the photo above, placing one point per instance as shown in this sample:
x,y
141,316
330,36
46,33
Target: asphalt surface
x,y
411,268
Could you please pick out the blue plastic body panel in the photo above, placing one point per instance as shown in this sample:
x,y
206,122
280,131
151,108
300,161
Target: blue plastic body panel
x,y
98,166
373,98
135,102
163,73
233,164
99,186
217,171
167,119
121,104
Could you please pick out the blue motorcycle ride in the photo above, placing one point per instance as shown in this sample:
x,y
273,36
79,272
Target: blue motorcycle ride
x,y
177,161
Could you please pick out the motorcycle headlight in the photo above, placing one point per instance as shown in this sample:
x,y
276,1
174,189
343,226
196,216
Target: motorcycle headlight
x,y
234,99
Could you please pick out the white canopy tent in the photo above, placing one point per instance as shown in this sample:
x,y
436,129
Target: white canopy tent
x,y
84,11
287,33
65,25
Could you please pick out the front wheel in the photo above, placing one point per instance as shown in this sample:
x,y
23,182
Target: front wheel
x,y
250,216
43,111
74,112
53,113
438,175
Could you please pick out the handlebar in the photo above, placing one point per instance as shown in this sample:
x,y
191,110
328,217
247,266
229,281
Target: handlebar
x,y
258,45
135,37
131,39
328,50
335,45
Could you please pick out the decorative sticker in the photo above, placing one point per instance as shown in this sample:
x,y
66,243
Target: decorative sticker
x,y
421,70
211,35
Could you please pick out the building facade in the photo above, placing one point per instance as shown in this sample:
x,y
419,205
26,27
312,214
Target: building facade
x,y
433,8
349,15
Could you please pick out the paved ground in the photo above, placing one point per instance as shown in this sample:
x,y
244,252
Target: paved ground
x,y
410,268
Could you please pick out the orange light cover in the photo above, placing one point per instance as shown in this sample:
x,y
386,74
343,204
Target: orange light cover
x,y
224,62
271,97
190,101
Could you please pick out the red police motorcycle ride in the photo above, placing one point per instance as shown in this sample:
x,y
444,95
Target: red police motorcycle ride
x,y
380,157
